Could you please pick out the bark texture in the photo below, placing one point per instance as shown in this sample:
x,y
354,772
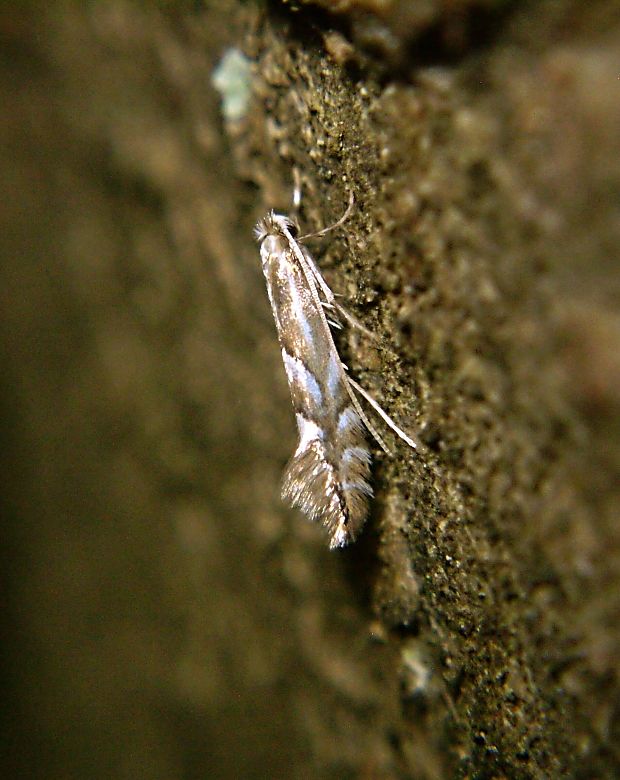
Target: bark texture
x,y
165,616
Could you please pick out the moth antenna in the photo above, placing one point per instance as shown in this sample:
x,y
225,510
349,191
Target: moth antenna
x,y
337,224
296,189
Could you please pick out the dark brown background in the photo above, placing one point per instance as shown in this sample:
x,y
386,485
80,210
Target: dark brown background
x,y
165,616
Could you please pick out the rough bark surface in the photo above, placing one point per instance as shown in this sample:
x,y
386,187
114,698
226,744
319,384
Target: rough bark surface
x,y
166,617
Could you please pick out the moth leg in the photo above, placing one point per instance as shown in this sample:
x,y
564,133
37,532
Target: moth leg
x,y
351,386
334,324
329,295
330,301
330,298
354,322
384,415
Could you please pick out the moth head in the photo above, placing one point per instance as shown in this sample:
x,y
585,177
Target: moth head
x,y
273,224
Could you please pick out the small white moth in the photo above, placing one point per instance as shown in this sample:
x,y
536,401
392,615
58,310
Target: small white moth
x,y
327,477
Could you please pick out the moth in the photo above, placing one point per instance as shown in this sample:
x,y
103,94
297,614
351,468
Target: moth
x,y
328,474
